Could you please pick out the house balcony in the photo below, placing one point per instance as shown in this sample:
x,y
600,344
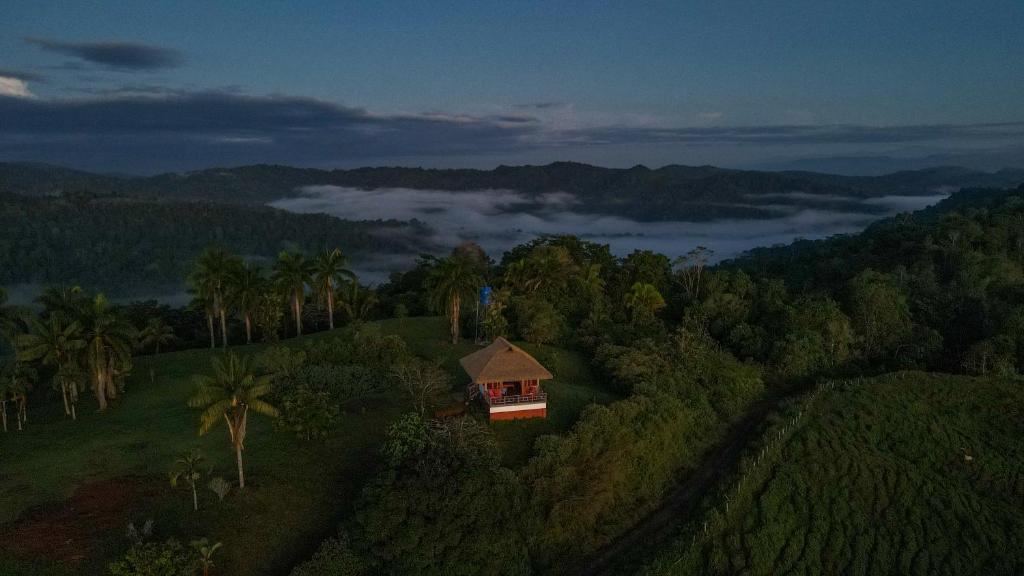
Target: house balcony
x,y
516,406
539,397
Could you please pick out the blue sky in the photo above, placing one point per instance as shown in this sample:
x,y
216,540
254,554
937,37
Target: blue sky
x,y
483,83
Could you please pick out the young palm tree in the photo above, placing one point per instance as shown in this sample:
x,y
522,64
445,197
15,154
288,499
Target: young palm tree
x,y
205,551
55,342
328,268
16,380
156,334
209,281
452,280
291,273
246,292
355,302
644,301
187,468
107,352
228,395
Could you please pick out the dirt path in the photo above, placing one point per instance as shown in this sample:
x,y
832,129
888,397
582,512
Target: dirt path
x,y
623,555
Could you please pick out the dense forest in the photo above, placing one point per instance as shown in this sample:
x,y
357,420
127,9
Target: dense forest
x,y
129,246
668,193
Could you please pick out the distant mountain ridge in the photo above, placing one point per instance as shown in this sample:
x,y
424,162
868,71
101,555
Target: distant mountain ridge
x,y
670,192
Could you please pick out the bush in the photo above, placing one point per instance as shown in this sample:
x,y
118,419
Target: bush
x,y
155,559
334,558
538,321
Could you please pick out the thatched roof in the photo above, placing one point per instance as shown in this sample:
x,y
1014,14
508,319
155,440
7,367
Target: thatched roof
x,y
503,361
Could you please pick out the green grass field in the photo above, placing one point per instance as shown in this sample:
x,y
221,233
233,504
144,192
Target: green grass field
x,y
904,474
82,482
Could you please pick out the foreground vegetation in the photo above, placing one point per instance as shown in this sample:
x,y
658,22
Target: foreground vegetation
x,y
296,489
909,473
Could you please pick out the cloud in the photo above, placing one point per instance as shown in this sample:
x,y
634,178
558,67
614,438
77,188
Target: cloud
x,y
117,55
22,75
500,219
148,128
540,105
15,87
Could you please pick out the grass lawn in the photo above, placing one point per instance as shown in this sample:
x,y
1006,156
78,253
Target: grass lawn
x,y
68,489
912,473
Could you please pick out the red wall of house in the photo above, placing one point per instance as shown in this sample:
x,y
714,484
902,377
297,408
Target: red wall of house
x,y
520,414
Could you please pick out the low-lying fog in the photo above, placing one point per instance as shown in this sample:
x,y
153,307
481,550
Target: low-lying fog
x,y
497,220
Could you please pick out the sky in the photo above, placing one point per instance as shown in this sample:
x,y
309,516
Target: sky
x,y
144,87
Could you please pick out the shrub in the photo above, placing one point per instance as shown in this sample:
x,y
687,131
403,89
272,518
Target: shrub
x,y
155,559
219,486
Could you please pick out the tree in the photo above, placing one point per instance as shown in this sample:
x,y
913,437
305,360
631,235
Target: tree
x,y
187,469
879,313
107,352
209,281
57,343
355,301
328,267
16,380
453,279
291,273
247,290
229,394
8,318
644,301
422,380
156,334
67,300
691,269
205,550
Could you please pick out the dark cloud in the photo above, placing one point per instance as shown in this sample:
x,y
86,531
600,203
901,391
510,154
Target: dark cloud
x,y
540,105
147,128
772,135
132,56
22,75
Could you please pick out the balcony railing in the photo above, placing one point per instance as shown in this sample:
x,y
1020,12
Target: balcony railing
x,y
521,399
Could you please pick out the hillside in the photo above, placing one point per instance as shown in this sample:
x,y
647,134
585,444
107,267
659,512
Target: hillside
x,y
667,193
70,501
910,473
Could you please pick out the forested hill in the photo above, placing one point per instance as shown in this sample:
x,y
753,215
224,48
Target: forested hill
x,y
670,192
131,246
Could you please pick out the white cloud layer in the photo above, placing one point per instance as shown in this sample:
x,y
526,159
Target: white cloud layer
x,y
14,87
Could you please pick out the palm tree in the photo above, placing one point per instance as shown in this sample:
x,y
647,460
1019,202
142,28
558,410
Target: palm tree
x,y
355,302
55,342
8,318
108,339
328,267
291,273
644,300
453,279
209,282
246,291
67,300
16,379
187,468
205,550
228,395
156,334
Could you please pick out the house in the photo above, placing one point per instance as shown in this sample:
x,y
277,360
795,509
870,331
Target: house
x,y
508,380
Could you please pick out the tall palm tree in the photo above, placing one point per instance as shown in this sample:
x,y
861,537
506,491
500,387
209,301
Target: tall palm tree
x,y
644,300
55,342
246,291
67,300
209,280
156,334
108,339
291,273
453,279
228,395
203,299
328,267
